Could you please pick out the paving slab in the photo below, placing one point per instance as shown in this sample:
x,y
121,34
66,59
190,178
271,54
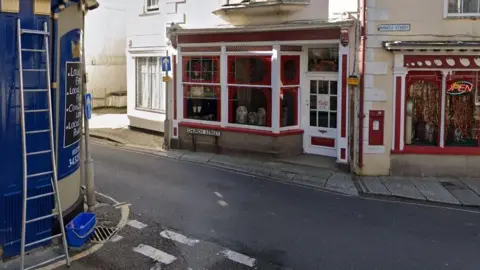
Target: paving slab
x,y
466,197
343,183
199,157
473,184
434,191
282,175
402,187
374,185
313,181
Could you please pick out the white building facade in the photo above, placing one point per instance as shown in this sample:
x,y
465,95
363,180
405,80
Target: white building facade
x,y
265,76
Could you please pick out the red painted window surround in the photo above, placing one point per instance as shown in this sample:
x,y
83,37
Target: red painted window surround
x,y
242,130
435,150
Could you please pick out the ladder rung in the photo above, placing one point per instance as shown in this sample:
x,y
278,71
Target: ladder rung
x,y
39,110
43,240
41,218
39,152
35,70
39,174
46,262
40,196
33,50
35,90
37,131
34,32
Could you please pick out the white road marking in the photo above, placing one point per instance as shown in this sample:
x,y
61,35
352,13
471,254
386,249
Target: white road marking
x,y
116,238
218,194
222,203
179,238
136,224
155,254
238,257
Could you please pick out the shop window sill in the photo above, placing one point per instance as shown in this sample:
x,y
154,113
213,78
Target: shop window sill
x,y
435,150
242,130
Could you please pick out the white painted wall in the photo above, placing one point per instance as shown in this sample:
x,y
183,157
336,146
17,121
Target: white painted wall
x,y
105,53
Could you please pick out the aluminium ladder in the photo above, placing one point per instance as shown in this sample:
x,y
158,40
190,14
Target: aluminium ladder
x,y
53,173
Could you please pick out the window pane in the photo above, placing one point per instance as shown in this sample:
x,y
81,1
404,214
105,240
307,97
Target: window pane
x,y
313,102
313,87
288,110
143,83
156,85
470,6
333,103
333,87
422,114
290,69
454,6
460,122
323,59
201,69
202,102
254,70
323,87
323,119
250,106
313,118
333,120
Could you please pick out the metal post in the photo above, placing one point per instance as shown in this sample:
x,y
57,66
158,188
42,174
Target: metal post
x,y
88,163
166,123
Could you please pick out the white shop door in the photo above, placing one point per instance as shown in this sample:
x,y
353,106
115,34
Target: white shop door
x,y
321,113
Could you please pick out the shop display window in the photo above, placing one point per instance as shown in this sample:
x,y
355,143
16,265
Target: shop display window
x,y
289,106
250,106
461,127
202,102
251,70
323,59
422,113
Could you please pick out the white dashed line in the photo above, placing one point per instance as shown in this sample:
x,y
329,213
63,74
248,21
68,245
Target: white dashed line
x,y
218,194
136,224
222,203
238,257
116,238
155,254
179,238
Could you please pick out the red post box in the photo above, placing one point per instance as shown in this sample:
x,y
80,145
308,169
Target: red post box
x,y
375,127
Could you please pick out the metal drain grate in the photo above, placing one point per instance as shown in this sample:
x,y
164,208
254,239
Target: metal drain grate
x,y
103,234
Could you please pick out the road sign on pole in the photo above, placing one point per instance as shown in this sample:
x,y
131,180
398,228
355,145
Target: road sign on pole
x,y
166,63
88,106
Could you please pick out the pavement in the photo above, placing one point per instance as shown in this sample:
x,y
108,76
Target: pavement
x,y
191,215
303,170
109,216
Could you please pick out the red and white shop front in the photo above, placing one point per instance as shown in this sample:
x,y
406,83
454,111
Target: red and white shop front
x,y
278,90
436,99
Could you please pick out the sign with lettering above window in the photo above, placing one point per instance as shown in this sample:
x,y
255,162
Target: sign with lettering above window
x,y
459,88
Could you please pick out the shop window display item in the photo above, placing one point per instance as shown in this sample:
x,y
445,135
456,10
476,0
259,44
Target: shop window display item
x,y
249,106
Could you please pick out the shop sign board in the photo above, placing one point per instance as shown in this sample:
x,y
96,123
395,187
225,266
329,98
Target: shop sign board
x,y
323,102
460,88
206,132
393,27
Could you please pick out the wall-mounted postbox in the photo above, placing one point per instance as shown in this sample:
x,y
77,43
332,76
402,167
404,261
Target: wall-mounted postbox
x,y
375,127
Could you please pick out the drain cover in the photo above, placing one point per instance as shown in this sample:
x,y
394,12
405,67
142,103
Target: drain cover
x,y
103,234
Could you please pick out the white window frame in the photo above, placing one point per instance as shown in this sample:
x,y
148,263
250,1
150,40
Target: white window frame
x,y
152,8
459,15
162,86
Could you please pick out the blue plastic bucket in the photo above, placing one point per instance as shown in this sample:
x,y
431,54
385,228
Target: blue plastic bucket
x,y
80,228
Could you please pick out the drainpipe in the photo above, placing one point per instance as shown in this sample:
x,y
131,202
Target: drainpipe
x,y
363,43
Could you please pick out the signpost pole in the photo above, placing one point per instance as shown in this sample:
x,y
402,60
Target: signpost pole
x,y
166,123
88,163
